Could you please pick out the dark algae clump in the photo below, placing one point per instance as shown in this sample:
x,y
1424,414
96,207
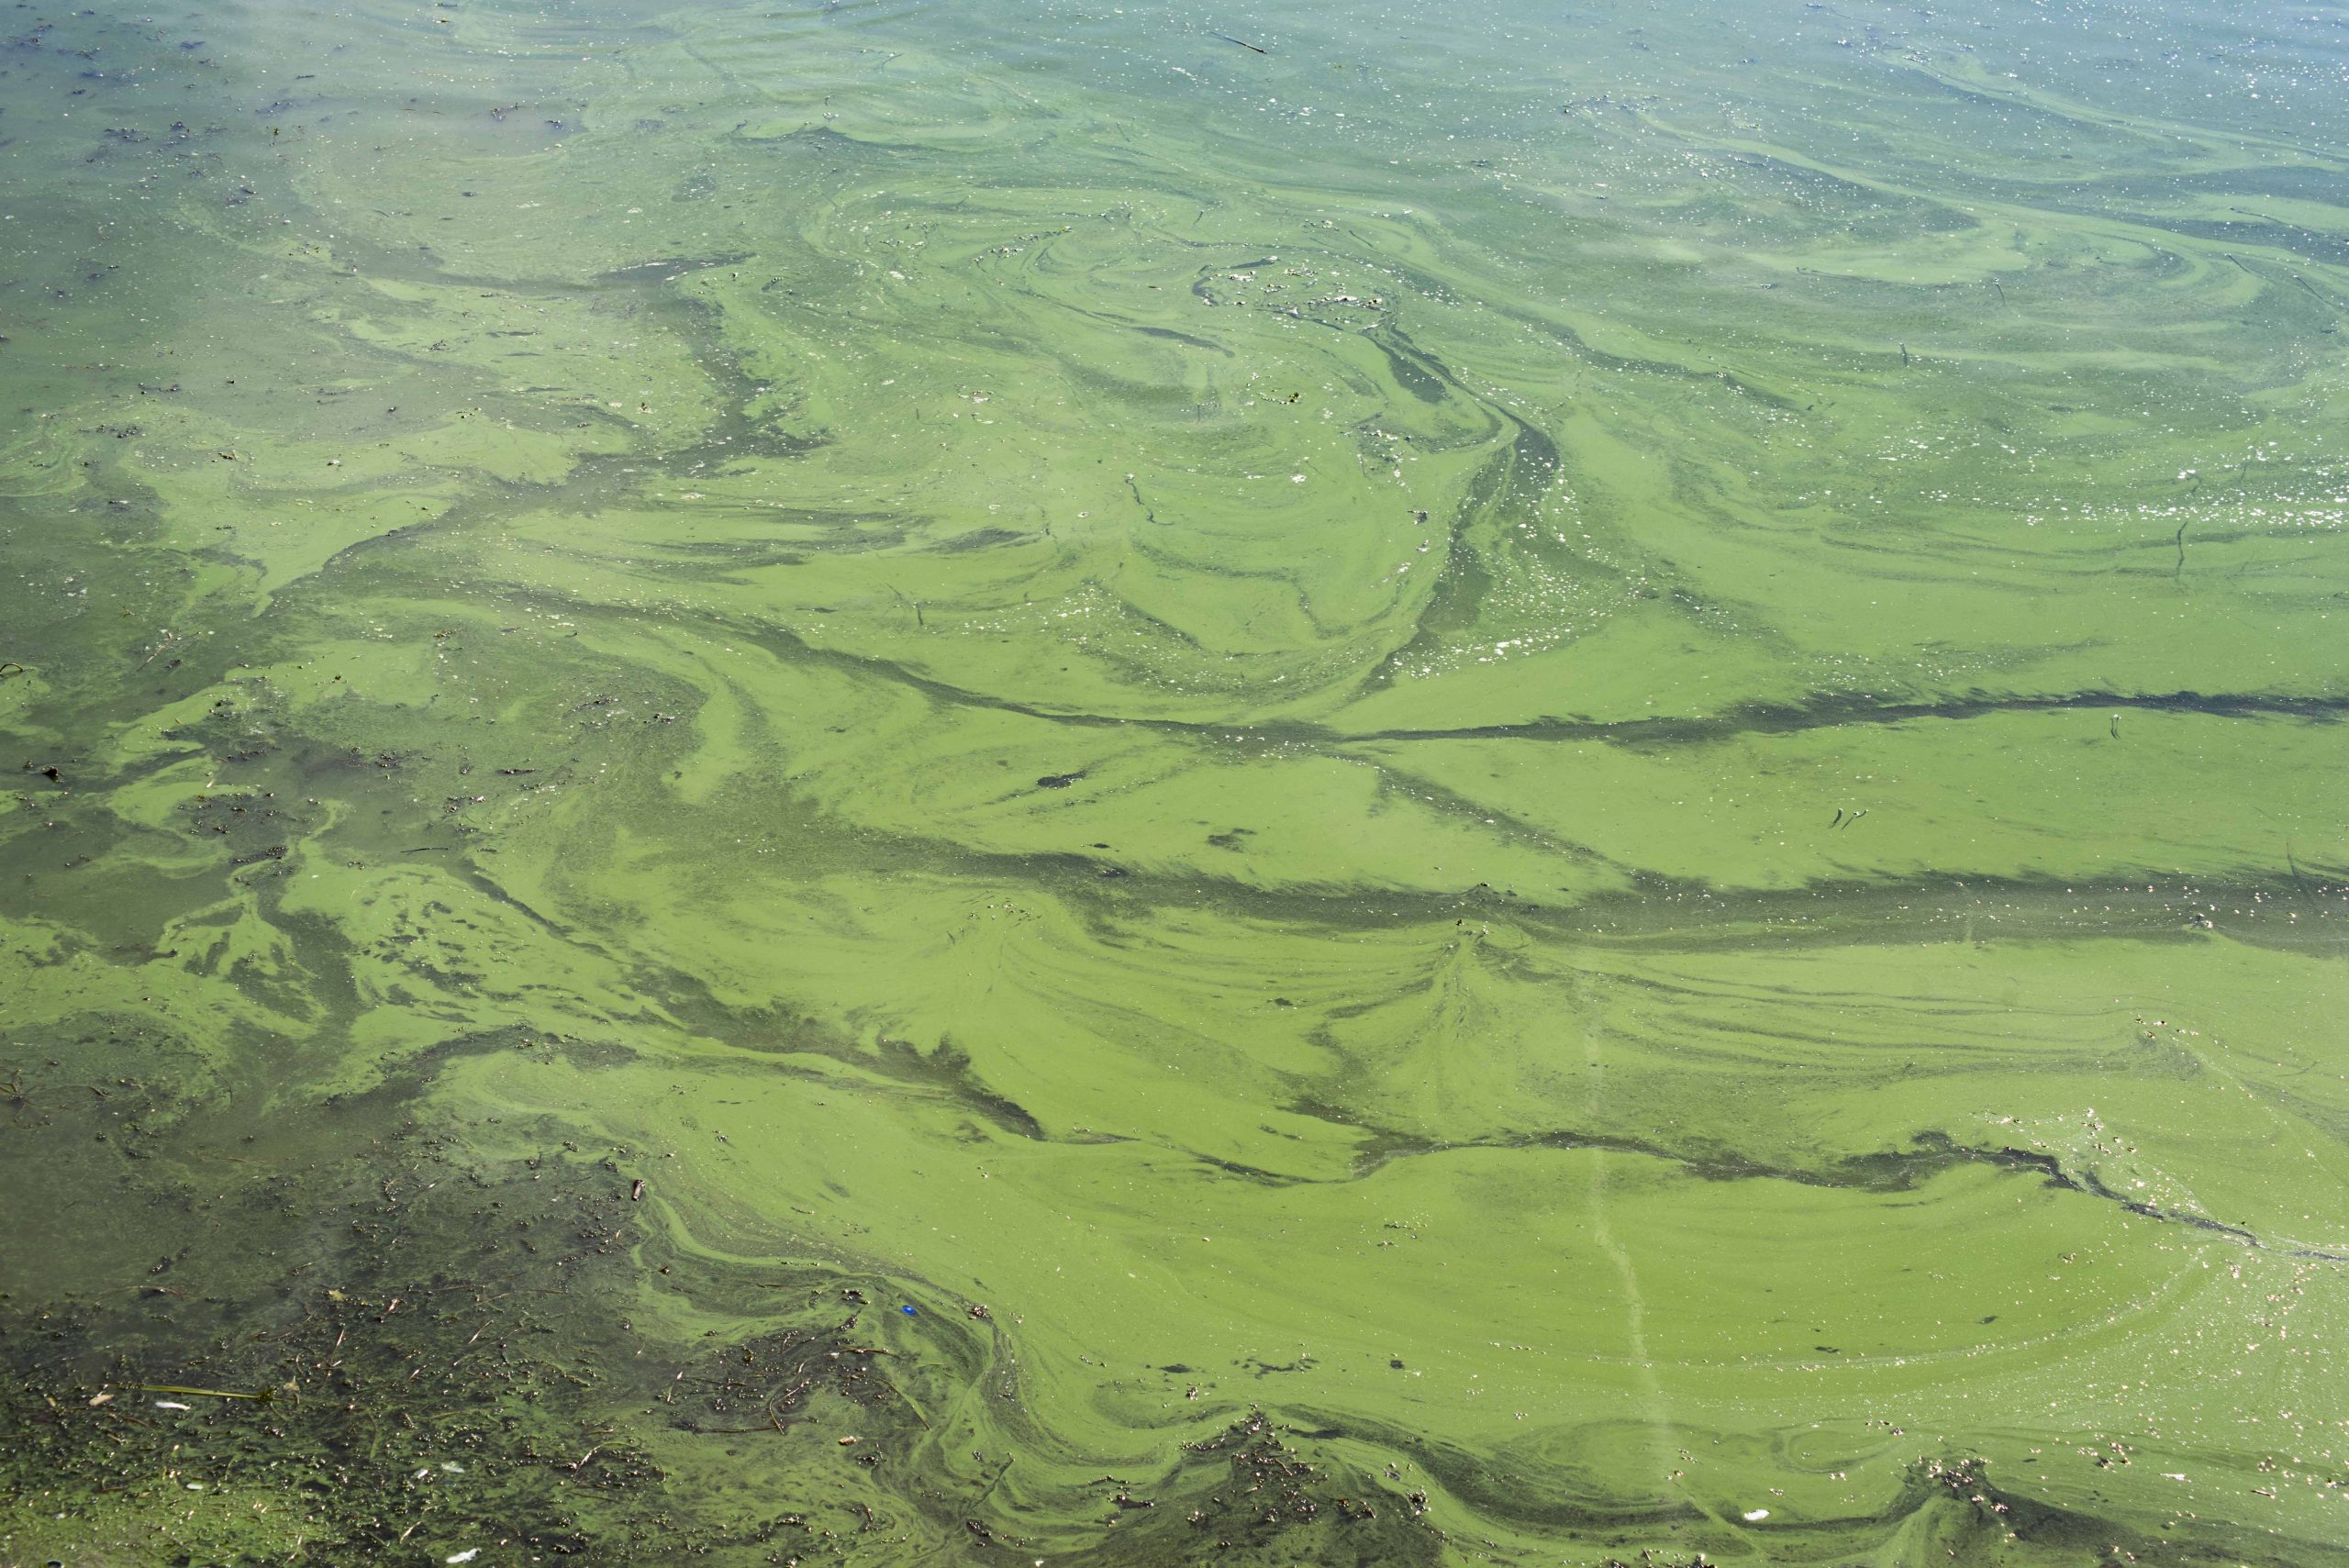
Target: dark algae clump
x,y
401,1387
876,784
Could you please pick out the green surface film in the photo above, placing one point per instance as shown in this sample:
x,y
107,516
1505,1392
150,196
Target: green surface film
x,y
1525,786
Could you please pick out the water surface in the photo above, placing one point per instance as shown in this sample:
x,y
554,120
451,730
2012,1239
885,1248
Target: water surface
x,y
887,782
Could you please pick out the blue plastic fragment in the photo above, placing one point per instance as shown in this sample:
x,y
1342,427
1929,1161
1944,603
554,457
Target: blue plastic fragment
x,y
906,1310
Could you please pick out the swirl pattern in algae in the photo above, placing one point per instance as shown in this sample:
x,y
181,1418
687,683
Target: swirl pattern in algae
x,y
1028,783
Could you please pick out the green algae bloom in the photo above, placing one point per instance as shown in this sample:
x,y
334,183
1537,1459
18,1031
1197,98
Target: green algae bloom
x,y
1035,782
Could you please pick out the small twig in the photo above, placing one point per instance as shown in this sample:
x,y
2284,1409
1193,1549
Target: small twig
x,y
267,1396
